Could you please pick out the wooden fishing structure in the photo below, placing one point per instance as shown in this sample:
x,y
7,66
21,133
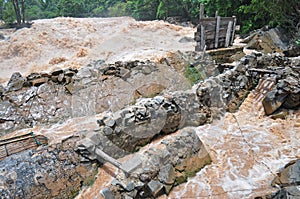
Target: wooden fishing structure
x,y
16,144
214,32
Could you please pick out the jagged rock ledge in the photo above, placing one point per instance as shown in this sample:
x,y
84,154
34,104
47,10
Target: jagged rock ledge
x,y
155,171
46,98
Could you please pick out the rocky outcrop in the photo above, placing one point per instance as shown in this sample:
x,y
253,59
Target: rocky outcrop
x,y
49,172
155,171
287,180
51,97
273,40
134,126
286,93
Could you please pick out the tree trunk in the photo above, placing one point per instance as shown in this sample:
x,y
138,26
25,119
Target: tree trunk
x,y
23,11
17,11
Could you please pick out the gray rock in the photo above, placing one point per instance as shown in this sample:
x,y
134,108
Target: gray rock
x,y
132,164
16,82
272,102
288,180
107,194
2,90
167,175
53,172
186,40
156,188
2,36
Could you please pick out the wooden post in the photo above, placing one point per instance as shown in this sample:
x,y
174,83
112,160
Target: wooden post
x,y
217,13
233,30
217,31
202,42
201,14
228,34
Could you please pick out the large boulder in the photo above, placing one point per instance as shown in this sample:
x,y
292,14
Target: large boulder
x,y
269,41
288,180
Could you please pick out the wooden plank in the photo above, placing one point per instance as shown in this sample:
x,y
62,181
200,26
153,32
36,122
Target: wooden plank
x,y
201,14
233,31
217,31
212,34
202,38
228,34
217,14
211,19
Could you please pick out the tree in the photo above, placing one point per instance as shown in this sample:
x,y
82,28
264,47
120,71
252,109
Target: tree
x,y
19,11
8,13
71,8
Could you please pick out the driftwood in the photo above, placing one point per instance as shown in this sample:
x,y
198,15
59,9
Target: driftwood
x,y
20,143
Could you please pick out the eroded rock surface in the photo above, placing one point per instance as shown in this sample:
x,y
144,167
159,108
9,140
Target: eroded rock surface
x,y
157,170
49,172
42,98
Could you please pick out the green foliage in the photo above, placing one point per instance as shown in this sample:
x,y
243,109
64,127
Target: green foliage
x,y
145,9
9,16
119,9
71,8
193,75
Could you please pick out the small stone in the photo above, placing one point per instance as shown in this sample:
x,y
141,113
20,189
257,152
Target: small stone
x,y
167,174
156,188
159,99
107,194
146,70
130,186
60,78
16,82
109,122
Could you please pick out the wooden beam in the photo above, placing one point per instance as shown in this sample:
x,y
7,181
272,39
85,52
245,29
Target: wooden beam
x,y
228,34
202,42
233,30
217,31
201,13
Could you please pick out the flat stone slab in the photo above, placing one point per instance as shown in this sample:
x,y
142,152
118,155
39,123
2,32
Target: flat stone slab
x,y
132,164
